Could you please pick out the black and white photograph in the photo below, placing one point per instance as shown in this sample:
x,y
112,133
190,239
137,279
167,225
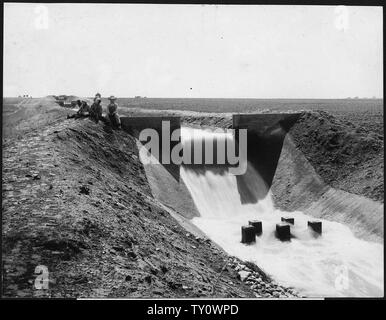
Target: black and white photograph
x,y
192,151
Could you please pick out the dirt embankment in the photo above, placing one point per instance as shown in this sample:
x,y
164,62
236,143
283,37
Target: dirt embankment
x,y
76,199
346,156
332,169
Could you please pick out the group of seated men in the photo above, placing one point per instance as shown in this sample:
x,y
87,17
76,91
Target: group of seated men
x,y
95,111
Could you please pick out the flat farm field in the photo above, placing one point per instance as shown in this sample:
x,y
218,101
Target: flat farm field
x,y
367,113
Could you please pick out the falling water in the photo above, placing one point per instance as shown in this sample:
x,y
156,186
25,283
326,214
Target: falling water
x,y
334,264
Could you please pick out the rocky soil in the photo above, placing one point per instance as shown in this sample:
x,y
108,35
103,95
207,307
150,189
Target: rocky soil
x,y
258,280
76,200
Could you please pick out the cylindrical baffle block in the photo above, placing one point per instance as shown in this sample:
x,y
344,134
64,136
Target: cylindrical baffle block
x,y
316,226
283,231
258,225
248,234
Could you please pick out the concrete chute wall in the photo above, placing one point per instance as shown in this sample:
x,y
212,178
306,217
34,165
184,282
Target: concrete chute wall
x,y
266,133
164,179
134,126
305,190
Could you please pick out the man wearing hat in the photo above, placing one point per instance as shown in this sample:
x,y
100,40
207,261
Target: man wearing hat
x,y
112,113
97,95
96,110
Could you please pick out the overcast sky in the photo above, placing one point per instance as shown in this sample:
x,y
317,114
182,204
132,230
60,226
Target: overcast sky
x,y
193,51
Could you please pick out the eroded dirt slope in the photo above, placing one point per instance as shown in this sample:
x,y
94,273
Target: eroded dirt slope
x,y
347,156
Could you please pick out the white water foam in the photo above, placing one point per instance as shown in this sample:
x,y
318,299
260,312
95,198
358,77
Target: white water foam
x,y
334,264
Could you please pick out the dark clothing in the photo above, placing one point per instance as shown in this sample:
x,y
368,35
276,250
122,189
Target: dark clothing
x,y
114,120
112,107
83,111
84,108
113,116
96,112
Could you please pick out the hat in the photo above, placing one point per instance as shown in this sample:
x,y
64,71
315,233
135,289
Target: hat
x,y
98,94
112,98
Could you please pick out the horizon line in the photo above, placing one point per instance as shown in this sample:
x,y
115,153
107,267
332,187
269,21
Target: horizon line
x,y
244,98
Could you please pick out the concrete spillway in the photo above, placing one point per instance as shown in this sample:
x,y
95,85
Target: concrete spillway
x,y
336,264
342,262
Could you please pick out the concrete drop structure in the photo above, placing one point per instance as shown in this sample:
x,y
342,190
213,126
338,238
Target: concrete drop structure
x,y
207,198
